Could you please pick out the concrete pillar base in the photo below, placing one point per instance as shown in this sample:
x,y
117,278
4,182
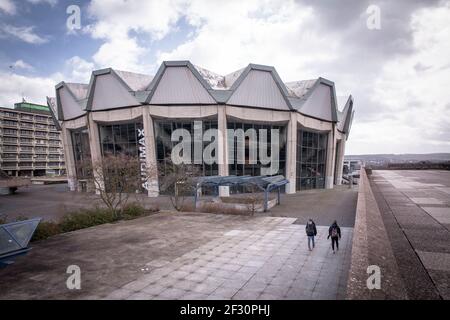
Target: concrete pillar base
x,y
224,191
72,184
290,188
153,189
329,182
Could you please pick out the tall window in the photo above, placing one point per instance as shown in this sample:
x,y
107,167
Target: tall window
x,y
164,145
254,169
311,160
81,151
120,139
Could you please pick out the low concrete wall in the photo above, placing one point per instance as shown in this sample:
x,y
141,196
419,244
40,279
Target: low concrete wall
x,y
371,246
259,207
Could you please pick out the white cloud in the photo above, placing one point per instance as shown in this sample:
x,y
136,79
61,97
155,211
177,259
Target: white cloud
x,y
121,53
20,64
25,34
284,34
415,114
118,23
50,2
33,89
78,70
37,88
8,7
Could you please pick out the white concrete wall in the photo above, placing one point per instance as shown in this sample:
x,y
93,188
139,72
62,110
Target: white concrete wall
x,y
260,90
110,93
70,107
69,158
291,154
96,152
331,153
178,85
150,149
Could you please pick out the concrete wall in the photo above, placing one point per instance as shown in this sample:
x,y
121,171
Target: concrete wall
x,y
371,246
224,113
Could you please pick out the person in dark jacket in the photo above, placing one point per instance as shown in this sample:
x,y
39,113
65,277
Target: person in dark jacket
x,y
335,233
311,232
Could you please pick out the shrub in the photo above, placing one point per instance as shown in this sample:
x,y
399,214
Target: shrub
x,y
86,218
133,210
3,218
221,208
21,218
188,207
46,229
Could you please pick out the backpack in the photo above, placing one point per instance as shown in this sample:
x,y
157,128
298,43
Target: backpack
x,y
310,228
334,232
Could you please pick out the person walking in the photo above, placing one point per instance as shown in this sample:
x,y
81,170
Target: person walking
x,y
335,233
311,232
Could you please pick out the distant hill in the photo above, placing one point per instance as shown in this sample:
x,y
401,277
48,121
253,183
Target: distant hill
x,y
407,157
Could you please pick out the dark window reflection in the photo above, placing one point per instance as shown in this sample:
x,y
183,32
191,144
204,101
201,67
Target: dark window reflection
x,y
164,145
120,139
311,159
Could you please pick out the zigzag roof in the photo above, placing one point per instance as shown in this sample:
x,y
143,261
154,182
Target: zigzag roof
x,y
198,84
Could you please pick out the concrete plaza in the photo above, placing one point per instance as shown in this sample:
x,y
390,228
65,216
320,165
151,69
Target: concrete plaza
x,y
184,256
415,206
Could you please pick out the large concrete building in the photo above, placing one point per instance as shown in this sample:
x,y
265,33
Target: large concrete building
x,y
30,143
118,112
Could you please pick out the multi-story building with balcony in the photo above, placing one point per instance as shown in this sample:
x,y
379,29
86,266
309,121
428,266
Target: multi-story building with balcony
x,y
30,143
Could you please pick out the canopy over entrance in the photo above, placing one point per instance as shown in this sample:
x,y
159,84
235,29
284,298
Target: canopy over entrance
x,y
264,183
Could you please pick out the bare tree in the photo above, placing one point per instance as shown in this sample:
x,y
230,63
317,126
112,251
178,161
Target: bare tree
x,y
252,198
179,182
116,178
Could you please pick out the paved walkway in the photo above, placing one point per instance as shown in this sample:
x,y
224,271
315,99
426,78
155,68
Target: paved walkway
x,y
184,256
322,205
51,202
415,206
268,262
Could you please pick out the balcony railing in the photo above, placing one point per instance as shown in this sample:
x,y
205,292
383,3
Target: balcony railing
x,y
10,115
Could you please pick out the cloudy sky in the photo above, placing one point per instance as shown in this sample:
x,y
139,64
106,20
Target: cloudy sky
x,y
398,74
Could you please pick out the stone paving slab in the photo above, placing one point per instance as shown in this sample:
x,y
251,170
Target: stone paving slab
x,y
416,211
269,262
440,214
183,256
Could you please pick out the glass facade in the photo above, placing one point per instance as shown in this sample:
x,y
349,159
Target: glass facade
x,y
164,145
118,139
311,160
254,169
122,139
81,151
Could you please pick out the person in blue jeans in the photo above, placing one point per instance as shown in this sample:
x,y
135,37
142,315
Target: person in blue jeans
x,y
311,232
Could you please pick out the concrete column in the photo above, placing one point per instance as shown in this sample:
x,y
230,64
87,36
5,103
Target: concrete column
x,y
69,158
331,153
291,154
340,161
150,154
223,148
96,153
